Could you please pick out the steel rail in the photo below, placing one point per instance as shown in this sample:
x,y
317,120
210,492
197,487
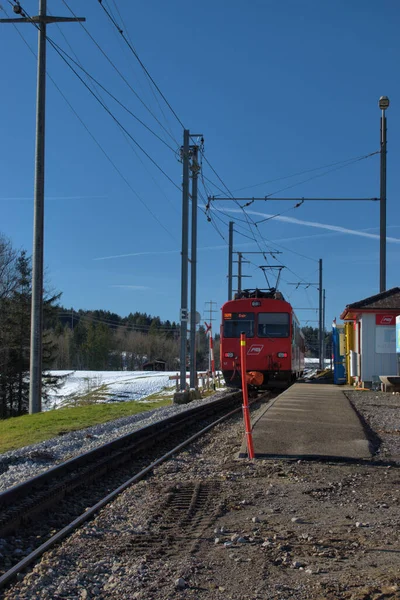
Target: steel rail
x,y
89,513
140,436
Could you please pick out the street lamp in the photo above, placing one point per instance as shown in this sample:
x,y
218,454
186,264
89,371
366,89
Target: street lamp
x,y
384,102
383,105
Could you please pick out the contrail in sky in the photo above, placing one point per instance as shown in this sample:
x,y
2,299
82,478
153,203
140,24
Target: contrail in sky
x,y
131,287
335,231
150,252
57,198
335,228
138,254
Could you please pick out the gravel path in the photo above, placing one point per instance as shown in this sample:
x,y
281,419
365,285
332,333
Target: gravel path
x,y
18,465
381,412
265,530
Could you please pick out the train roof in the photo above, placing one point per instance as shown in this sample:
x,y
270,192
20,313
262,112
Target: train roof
x,y
259,293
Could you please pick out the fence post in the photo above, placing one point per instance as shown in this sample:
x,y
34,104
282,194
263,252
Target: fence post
x,y
246,410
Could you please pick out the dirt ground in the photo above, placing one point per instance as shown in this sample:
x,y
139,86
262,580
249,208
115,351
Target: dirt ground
x,y
210,526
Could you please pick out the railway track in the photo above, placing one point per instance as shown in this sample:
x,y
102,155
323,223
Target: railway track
x,y
40,512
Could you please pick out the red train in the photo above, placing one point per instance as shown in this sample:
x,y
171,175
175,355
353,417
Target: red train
x,y
275,342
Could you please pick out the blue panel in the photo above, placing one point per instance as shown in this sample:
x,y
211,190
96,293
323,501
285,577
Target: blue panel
x,y
398,335
339,359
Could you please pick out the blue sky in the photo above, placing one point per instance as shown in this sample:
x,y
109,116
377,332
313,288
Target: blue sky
x,y
275,88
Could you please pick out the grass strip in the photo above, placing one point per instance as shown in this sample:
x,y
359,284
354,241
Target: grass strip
x,y
18,432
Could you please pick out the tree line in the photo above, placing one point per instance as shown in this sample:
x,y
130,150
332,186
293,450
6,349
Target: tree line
x,y
73,340
311,340
86,341
82,339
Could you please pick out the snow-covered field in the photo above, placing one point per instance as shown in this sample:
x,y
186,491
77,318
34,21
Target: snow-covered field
x,y
107,386
117,386
311,362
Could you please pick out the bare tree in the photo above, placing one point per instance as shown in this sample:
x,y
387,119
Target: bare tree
x,y
8,275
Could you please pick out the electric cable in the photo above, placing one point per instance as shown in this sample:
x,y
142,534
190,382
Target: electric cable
x,y
94,138
348,160
140,62
120,74
61,52
149,83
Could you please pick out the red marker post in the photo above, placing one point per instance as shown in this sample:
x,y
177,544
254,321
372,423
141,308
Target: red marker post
x,y
246,410
211,348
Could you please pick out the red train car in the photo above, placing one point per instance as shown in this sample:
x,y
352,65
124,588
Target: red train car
x,y
275,342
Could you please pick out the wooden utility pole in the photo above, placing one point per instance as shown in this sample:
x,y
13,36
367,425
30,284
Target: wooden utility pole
x,y
40,22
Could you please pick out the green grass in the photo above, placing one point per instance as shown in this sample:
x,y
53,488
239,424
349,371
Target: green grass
x,y
30,429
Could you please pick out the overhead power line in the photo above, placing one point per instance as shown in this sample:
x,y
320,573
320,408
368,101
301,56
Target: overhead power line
x,y
61,53
122,76
113,21
340,162
154,94
64,54
250,222
98,144
140,328
126,138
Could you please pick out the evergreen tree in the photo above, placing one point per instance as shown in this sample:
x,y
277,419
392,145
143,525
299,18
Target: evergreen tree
x,y
16,334
15,341
98,346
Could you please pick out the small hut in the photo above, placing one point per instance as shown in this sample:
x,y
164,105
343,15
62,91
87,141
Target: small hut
x,y
154,365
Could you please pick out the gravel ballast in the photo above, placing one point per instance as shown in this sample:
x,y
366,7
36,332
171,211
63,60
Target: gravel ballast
x,y
257,530
19,465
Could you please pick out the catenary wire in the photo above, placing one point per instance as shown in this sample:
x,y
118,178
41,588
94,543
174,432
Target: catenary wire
x,y
299,173
128,141
120,74
140,62
94,138
102,87
249,220
61,53
148,81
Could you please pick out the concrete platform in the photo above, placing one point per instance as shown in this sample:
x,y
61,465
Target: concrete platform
x,y
309,421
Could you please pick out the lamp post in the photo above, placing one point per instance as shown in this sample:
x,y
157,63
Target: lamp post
x,y
383,105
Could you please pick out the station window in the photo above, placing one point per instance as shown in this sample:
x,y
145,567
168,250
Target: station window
x,y
274,325
236,323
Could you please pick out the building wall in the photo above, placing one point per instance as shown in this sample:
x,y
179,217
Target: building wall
x,y
374,339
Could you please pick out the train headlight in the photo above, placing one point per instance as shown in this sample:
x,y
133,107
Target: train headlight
x,y
282,355
228,355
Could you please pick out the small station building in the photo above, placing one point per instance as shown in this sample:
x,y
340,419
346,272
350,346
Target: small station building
x,y
370,338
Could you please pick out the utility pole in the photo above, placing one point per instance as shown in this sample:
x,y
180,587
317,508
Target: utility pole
x,y
321,341
307,284
193,269
239,276
323,328
230,260
185,257
383,105
211,311
41,21
263,267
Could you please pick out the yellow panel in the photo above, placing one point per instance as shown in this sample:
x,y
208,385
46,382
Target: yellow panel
x,y
350,345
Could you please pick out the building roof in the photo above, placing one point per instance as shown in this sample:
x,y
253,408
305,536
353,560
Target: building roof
x,y
388,300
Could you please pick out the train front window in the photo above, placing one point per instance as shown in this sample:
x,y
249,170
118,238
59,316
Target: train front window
x,y
274,325
237,323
